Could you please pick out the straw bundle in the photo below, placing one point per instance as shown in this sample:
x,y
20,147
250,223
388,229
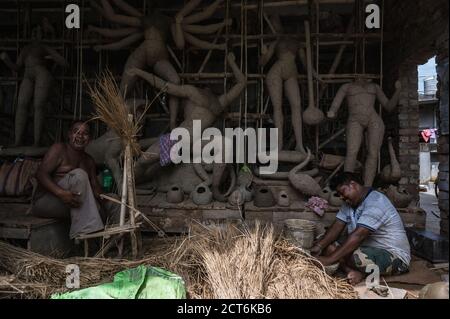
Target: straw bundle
x,y
113,111
215,262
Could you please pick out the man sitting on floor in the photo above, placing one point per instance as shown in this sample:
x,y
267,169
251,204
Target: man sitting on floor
x,y
68,186
376,235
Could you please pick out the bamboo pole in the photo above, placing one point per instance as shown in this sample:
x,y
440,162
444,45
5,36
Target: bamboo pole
x,y
338,57
332,138
208,55
333,174
131,196
309,68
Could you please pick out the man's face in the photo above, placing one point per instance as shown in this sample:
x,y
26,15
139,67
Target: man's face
x,y
350,193
79,136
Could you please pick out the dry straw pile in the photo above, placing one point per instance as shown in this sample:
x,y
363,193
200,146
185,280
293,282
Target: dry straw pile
x,y
215,261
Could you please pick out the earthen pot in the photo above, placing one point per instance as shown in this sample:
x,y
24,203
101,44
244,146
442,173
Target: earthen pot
x,y
263,197
283,199
236,198
332,197
399,196
202,195
247,192
175,194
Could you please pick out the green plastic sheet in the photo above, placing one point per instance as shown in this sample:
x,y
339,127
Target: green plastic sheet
x,y
137,283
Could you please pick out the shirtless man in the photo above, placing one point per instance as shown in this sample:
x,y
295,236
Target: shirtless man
x,y
361,96
68,186
200,104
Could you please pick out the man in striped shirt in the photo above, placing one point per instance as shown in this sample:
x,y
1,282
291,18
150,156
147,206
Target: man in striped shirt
x,y
376,235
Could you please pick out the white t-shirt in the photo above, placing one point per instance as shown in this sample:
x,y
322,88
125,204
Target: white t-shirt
x,y
377,214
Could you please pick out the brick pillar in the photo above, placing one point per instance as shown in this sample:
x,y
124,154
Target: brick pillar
x,y
443,177
408,116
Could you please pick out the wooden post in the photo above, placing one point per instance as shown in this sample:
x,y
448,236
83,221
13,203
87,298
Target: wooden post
x,y
131,193
309,67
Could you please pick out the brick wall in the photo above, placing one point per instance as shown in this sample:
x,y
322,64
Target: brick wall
x,y
408,123
415,31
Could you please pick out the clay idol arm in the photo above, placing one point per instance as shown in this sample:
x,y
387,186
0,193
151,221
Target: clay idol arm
x,y
108,12
389,105
196,42
267,53
337,102
113,33
236,90
206,29
177,28
59,59
183,91
203,15
10,64
128,9
120,44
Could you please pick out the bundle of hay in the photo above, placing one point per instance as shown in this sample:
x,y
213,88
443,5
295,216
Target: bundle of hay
x,y
215,262
111,109
252,263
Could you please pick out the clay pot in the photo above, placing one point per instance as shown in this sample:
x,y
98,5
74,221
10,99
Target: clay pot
x,y
399,196
332,197
247,192
236,198
202,195
175,195
263,197
335,200
283,199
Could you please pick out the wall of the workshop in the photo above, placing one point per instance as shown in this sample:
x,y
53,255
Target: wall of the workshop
x,y
414,32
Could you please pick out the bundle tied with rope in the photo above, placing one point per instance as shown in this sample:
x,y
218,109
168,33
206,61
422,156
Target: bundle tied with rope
x,y
111,109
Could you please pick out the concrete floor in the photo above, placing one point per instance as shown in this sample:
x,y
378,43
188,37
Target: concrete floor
x,y
429,203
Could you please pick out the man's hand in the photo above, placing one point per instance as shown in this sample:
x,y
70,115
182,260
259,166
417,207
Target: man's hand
x,y
316,250
398,85
3,56
71,199
324,260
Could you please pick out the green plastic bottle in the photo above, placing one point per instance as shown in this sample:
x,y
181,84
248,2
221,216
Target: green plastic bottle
x,y
107,180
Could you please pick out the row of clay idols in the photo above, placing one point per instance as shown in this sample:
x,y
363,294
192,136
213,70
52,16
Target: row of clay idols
x,y
151,29
201,104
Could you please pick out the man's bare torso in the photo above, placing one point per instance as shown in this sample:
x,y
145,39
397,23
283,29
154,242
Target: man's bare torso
x,y
67,163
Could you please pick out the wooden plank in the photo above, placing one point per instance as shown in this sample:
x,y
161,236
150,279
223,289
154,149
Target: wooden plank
x,y
221,214
263,216
16,233
18,200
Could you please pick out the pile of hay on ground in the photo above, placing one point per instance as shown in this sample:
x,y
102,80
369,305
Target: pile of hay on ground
x,y
216,262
